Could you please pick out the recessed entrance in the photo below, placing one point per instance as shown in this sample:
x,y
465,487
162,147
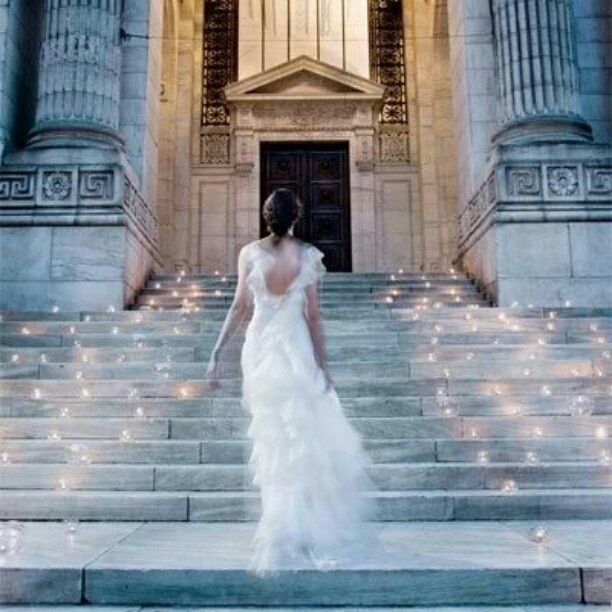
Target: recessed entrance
x,y
318,174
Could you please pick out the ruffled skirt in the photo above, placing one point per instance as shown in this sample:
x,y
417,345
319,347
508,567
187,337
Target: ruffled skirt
x,y
307,459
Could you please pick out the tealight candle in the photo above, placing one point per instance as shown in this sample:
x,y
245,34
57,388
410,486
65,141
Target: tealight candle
x,y
538,534
126,435
532,457
601,432
509,487
483,457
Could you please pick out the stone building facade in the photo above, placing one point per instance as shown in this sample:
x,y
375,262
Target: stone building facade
x,y
143,135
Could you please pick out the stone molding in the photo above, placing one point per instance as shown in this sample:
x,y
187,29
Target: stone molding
x,y
51,195
518,191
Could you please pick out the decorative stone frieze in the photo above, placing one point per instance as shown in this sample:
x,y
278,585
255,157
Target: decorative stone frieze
x,y
546,184
80,190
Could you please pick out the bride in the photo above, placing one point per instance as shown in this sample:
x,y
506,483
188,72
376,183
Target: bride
x,y
307,459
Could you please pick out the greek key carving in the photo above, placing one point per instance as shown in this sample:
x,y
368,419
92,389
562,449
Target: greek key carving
x,y
563,180
523,181
96,185
599,180
20,186
56,186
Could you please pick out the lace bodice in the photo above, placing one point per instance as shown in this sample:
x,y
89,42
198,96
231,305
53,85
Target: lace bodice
x,y
259,261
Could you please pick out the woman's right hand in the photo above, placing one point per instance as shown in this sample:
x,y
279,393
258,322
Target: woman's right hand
x,y
212,372
329,383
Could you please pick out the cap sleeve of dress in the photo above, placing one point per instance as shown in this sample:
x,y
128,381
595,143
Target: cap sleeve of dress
x,y
314,269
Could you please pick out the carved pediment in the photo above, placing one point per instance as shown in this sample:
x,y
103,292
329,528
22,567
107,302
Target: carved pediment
x,y
304,78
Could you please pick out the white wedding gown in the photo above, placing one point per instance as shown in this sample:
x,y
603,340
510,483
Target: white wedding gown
x,y
307,459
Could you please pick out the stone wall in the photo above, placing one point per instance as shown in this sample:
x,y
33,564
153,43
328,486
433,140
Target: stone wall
x,y
20,26
140,89
593,26
473,86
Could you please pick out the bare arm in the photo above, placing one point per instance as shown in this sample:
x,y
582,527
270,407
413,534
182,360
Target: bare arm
x,y
234,318
316,333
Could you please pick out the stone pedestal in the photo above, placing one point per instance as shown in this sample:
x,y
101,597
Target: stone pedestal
x,y
75,231
539,229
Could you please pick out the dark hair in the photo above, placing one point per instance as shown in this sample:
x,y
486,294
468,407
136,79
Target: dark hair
x,y
281,210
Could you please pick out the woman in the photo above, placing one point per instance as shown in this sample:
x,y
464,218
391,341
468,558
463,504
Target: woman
x,y
307,460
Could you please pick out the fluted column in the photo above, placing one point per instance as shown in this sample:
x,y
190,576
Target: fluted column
x,y
537,72
79,80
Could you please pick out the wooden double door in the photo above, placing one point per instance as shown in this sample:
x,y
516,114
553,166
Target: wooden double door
x,y
318,174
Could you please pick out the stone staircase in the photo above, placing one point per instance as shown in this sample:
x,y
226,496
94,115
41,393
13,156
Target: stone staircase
x,y
469,412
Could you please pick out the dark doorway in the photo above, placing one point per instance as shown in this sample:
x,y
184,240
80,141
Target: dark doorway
x,y
318,174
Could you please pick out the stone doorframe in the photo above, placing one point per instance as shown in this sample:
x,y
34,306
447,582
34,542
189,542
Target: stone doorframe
x,y
306,100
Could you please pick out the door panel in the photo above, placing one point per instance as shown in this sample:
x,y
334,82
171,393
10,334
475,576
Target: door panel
x,y
318,174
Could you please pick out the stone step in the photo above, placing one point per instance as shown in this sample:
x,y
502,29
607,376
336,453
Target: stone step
x,y
220,428
451,505
346,387
109,354
229,477
560,405
588,315
493,450
365,370
404,564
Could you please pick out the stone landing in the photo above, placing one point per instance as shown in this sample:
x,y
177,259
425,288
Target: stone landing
x,y
410,564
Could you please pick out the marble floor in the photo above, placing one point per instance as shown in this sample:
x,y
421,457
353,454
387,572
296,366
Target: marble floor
x,y
144,563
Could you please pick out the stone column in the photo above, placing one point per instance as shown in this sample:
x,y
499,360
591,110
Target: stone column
x,y
537,72
79,80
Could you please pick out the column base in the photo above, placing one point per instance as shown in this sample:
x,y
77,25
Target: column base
x,y
544,129
539,230
77,134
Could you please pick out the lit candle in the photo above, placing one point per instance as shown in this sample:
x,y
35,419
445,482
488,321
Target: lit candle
x,y
538,534
37,394
14,358
532,458
111,308
54,435
65,413
601,432
509,487
126,435
483,457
